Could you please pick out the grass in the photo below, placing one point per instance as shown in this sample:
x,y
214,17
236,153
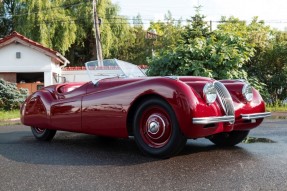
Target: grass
x,y
6,115
276,108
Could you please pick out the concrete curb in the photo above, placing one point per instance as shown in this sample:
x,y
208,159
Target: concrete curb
x,y
10,120
279,114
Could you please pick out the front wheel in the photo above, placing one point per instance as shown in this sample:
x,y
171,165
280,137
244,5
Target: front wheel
x,y
156,129
43,134
228,139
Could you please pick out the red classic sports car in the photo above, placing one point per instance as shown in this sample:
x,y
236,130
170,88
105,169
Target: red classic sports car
x,y
161,113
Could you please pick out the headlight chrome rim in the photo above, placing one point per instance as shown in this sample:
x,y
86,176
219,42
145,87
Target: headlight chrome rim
x,y
247,92
209,93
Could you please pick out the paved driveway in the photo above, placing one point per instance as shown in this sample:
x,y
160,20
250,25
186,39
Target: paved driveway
x,y
84,162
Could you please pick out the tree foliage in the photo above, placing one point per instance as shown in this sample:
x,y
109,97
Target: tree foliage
x,y
196,27
253,52
116,33
168,32
8,22
267,68
203,53
270,67
236,49
48,23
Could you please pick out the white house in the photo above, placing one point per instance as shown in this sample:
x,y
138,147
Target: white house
x,y
32,66
28,63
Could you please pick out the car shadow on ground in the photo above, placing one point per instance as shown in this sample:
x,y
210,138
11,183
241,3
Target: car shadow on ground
x,y
81,149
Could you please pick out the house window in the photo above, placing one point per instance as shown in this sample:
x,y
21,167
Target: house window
x,y
18,55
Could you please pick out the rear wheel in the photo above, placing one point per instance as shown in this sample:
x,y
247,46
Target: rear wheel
x,y
43,134
228,139
156,129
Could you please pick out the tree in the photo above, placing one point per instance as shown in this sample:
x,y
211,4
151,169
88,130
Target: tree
x,y
83,49
168,32
196,27
202,53
267,68
123,37
48,23
67,26
271,68
8,22
115,33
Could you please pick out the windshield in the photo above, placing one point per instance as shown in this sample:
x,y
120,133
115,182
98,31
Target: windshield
x,y
112,68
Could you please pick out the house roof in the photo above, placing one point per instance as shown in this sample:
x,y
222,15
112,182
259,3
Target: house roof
x,y
15,37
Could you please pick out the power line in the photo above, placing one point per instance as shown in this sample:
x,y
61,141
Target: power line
x,y
124,17
44,10
128,23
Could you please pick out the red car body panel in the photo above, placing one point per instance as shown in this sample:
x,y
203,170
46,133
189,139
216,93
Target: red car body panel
x,y
107,108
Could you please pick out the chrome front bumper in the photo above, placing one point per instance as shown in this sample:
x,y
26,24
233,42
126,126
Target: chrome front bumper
x,y
229,118
255,115
209,120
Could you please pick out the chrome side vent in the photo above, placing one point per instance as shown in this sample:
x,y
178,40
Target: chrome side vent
x,y
224,98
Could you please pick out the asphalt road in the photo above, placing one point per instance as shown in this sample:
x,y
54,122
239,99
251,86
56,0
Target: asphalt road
x,y
84,162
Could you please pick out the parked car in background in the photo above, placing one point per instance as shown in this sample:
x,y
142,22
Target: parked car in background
x,y
161,113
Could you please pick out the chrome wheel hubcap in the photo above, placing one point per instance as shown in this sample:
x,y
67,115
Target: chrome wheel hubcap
x,y
153,127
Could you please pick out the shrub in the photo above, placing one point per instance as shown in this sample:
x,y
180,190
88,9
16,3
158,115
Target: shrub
x,y
10,96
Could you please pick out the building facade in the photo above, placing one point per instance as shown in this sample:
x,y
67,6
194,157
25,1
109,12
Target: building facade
x,y
28,63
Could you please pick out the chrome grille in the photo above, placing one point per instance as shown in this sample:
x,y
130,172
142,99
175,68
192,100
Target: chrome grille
x,y
224,98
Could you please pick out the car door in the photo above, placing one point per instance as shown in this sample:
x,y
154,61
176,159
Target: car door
x,y
66,114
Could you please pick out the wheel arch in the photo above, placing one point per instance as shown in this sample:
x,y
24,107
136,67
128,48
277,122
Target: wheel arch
x,y
134,107
36,110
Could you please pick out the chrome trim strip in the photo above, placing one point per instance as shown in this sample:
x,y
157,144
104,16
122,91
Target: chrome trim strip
x,y
172,77
256,115
209,120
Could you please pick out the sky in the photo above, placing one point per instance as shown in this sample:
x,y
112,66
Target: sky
x,y
273,12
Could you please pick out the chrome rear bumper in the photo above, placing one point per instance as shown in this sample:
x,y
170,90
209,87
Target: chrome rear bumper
x,y
255,115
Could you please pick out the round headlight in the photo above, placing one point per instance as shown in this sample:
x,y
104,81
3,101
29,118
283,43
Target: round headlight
x,y
247,92
209,93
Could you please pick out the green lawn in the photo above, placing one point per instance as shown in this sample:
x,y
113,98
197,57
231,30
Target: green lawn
x,y
276,108
5,115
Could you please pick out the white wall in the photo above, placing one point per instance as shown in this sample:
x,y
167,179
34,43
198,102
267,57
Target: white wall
x,y
48,78
82,75
56,68
31,61
76,76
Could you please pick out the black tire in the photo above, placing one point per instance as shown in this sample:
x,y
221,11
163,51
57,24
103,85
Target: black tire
x,y
228,139
156,130
43,134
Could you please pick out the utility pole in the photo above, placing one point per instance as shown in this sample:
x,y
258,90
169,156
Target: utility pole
x,y
152,35
97,35
210,25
